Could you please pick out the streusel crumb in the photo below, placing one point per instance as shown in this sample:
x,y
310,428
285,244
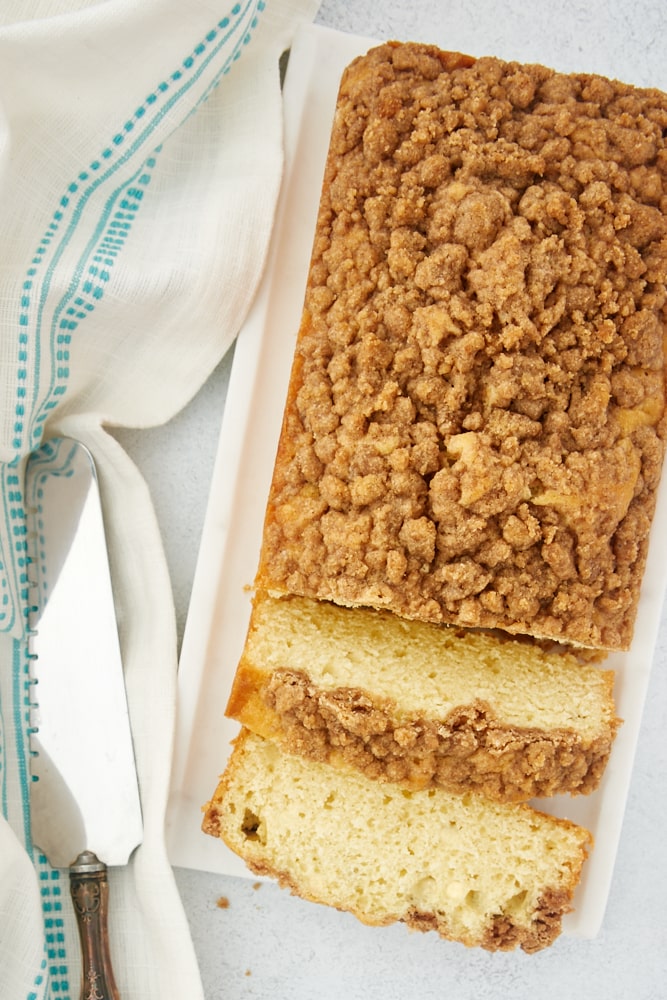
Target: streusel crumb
x,y
475,425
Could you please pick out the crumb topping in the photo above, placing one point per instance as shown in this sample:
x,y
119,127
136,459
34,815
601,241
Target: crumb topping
x,y
475,429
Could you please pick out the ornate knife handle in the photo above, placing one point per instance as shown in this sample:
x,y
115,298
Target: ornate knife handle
x,y
90,892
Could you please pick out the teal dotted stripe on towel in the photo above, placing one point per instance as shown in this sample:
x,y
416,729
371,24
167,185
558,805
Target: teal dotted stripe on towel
x,y
21,701
91,283
93,270
17,532
124,144
54,968
54,460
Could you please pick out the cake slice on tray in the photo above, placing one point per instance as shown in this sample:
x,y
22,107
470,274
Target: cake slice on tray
x,y
488,875
424,705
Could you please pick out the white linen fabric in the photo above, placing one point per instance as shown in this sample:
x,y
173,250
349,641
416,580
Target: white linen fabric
x,y
140,162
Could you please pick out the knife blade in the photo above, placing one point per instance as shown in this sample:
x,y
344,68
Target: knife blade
x,y
85,808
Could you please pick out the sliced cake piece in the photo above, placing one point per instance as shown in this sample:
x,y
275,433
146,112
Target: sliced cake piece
x,y
421,704
477,872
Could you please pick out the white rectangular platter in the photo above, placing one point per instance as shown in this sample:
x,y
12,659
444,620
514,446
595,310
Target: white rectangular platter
x,y
220,604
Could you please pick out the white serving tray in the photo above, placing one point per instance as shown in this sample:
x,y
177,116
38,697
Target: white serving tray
x,y
220,603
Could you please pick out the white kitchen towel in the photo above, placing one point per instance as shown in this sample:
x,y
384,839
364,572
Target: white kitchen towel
x,y
140,162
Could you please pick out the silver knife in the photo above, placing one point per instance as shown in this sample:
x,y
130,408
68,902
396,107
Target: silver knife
x,y
85,809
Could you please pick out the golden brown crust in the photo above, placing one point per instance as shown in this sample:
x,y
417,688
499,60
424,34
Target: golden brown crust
x,y
247,701
502,935
475,428
469,750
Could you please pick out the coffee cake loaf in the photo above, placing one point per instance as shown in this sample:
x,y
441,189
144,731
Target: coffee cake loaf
x,y
474,431
484,874
423,705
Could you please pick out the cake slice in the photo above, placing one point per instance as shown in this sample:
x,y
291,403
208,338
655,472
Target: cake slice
x,y
475,424
420,704
484,874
